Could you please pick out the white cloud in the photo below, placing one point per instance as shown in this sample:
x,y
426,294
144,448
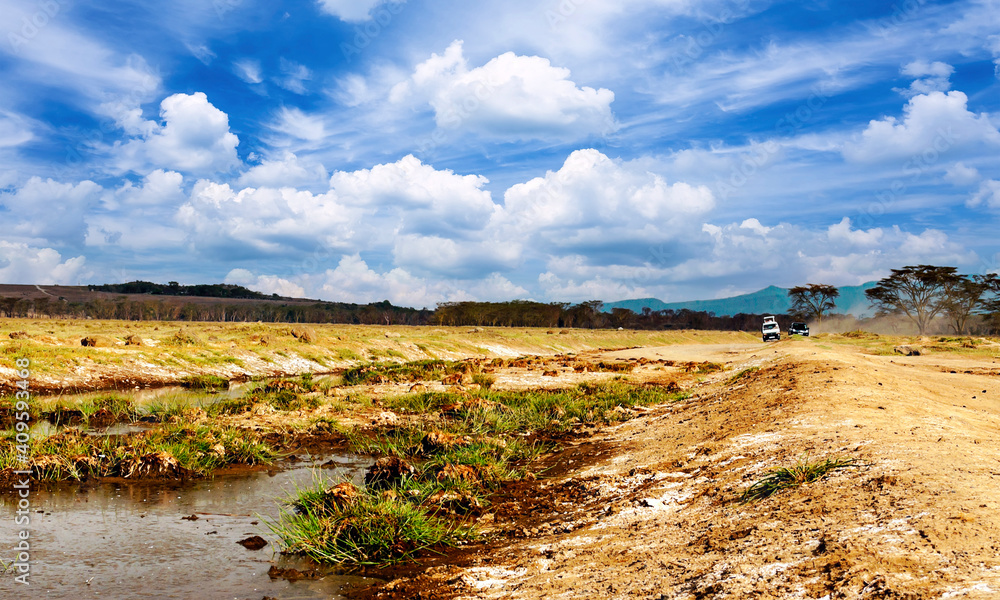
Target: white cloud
x,y
988,194
294,123
928,77
202,52
266,221
354,10
596,288
785,254
960,174
843,233
265,284
159,188
354,281
511,97
248,70
64,57
287,171
294,77
49,210
444,256
23,264
595,201
431,200
194,138
14,129
934,122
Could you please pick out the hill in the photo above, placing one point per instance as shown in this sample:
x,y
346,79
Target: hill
x,y
770,300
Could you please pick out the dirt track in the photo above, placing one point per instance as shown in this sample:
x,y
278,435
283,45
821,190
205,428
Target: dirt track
x,y
654,513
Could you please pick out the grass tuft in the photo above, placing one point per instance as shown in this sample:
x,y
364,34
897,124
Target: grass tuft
x,y
794,476
345,524
205,382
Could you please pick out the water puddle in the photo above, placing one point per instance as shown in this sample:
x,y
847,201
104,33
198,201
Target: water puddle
x,y
45,428
131,540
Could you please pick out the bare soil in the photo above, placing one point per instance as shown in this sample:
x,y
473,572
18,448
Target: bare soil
x,y
650,508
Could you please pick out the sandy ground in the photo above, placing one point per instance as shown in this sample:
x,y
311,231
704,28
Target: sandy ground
x,y
650,508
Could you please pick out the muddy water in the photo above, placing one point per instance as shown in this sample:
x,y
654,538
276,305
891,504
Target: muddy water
x,y
129,540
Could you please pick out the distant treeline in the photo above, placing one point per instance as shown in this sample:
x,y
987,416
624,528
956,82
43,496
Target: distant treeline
x,y
588,315
518,313
217,290
131,309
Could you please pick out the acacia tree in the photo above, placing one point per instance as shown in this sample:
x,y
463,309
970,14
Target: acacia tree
x,y
966,296
921,293
812,300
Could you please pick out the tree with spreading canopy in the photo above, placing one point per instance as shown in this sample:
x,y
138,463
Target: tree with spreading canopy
x,y
967,296
920,292
812,300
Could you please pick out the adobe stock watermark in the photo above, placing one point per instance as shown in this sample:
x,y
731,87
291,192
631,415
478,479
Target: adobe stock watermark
x,y
365,34
76,154
913,169
561,13
709,33
901,13
788,125
21,488
224,7
32,24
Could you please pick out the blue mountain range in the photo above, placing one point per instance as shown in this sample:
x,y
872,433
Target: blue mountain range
x,y
770,300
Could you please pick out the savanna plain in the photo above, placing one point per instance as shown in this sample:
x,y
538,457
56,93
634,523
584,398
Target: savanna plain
x,y
443,462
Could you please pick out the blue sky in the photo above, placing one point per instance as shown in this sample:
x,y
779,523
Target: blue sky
x,y
560,150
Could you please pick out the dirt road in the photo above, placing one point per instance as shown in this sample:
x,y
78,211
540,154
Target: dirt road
x,y
650,508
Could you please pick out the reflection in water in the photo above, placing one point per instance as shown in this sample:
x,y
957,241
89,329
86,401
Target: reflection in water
x,y
128,540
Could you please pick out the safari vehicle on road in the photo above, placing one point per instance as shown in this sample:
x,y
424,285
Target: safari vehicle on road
x,y
770,329
798,329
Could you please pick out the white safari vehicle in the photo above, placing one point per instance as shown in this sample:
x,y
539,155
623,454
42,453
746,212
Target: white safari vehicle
x,y
770,330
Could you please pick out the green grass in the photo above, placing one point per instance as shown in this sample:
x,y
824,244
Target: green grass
x,y
171,451
484,380
789,477
421,370
476,444
205,382
745,373
361,526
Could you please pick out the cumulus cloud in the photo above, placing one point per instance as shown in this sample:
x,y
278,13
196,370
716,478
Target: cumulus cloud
x,y
257,222
353,10
928,77
287,171
265,284
511,97
193,138
49,210
158,188
988,194
24,264
389,206
960,174
354,281
563,289
425,200
934,122
785,254
459,258
594,202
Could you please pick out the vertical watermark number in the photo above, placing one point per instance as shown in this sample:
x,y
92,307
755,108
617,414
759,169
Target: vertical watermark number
x,y
22,475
